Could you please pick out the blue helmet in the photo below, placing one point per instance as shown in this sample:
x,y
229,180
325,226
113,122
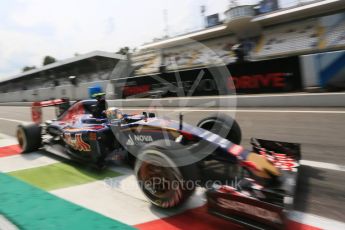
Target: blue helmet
x,y
95,91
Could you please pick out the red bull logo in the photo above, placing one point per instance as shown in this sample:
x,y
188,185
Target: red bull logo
x,y
77,142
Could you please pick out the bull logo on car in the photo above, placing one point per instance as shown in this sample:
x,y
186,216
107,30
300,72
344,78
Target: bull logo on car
x,y
76,142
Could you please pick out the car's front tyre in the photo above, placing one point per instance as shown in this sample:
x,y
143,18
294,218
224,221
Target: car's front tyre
x,y
162,180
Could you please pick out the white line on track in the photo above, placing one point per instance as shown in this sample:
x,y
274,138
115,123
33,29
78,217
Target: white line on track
x,y
13,120
173,109
6,140
316,221
5,224
323,165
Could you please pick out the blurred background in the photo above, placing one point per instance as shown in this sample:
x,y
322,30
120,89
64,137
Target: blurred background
x,y
284,60
61,48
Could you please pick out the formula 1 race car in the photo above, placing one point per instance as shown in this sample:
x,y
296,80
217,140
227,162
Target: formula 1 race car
x,y
171,158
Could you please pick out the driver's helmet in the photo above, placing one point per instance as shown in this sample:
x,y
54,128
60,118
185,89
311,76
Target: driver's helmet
x,y
113,113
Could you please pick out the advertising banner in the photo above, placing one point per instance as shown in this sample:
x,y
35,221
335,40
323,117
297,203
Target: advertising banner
x,y
324,70
268,76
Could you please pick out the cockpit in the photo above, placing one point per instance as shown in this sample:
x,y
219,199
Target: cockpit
x,y
113,113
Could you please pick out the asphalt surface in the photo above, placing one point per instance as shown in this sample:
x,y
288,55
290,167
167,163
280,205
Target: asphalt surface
x,y
320,131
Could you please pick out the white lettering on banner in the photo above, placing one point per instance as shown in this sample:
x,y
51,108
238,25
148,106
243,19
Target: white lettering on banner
x,y
249,209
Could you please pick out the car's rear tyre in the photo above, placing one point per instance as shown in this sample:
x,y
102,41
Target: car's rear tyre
x,y
162,180
29,137
223,125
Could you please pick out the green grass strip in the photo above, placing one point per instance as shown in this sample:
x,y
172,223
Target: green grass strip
x,y
31,208
61,175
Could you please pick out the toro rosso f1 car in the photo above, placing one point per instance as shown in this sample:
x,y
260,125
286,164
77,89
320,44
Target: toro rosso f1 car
x,y
170,158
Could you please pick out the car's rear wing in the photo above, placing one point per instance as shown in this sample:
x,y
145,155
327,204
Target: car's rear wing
x,y
36,108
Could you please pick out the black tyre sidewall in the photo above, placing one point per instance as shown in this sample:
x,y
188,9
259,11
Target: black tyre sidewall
x,y
188,173
32,135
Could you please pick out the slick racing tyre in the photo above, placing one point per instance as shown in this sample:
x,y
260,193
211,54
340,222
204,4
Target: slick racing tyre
x,y
29,137
164,183
222,125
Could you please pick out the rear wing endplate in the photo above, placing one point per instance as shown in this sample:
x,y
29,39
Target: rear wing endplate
x,y
36,108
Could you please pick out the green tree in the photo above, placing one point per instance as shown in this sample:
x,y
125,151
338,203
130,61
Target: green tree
x,y
27,68
48,60
123,50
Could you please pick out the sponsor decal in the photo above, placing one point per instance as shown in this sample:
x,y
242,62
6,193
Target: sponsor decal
x,y
77,143
257,81
130,141
249,209
132,90
143,138
235,149
284,162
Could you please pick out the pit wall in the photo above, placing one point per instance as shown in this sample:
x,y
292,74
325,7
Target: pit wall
x,y
324,70
41,94
230,102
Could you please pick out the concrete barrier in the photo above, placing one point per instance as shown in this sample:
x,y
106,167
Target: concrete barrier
x,y
267,100
271,100
15,104
293,100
